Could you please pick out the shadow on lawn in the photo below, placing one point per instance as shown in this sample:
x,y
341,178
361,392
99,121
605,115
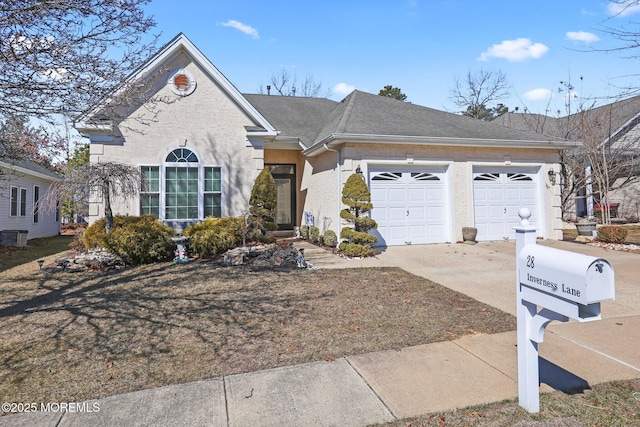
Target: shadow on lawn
x,y
115,325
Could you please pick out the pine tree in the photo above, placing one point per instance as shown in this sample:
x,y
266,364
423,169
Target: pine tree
x,y
263,202
357,197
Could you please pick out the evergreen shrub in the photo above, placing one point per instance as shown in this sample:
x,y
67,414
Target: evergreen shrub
x,y
329,238
214,236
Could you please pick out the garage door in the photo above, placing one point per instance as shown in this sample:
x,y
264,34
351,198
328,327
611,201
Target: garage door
x,y
497,197
409,206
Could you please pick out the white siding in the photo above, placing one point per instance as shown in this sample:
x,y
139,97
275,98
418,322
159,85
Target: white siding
x,y
47,225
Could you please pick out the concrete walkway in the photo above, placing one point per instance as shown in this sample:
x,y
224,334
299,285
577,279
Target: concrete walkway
x,y
378,387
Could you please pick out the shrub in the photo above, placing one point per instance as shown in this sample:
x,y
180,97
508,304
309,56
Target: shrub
x,y
142,242
215,236
95,236
314,234
612,234
355,250
141,239
357,197
329,238
304,231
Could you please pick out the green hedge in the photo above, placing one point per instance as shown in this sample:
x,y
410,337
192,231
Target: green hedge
x,y
215,236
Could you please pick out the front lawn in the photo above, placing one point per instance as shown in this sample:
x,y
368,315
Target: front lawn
x,y
11,256
75,336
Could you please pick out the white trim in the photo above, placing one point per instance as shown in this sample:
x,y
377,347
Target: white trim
x,y
336,139
191,83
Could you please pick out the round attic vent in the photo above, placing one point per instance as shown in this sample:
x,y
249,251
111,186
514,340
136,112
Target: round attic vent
x,y
182,83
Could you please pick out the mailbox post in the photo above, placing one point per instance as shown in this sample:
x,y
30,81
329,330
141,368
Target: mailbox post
x,y
564,285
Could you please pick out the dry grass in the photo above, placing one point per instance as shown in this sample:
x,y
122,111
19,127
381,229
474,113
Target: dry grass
x,y
610,404
11,256
633,237
70,337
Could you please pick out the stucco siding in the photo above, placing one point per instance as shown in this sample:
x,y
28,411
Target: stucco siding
x,y
208,122
320,178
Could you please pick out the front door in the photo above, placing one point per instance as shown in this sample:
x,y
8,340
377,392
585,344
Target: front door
x,y
285,178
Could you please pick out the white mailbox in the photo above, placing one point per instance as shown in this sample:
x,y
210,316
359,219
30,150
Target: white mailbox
x,y
575,277
562,285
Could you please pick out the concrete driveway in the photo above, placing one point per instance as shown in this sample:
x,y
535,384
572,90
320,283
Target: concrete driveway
x,y
487,271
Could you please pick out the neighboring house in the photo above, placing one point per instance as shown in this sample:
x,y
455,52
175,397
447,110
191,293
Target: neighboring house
x,y
616,126
430,173
22,185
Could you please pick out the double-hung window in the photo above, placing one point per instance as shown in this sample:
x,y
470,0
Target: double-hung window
x,y
150,192
13,207
181,188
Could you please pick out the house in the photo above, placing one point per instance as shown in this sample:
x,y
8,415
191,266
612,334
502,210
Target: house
x,y
430,172
614,130
22,185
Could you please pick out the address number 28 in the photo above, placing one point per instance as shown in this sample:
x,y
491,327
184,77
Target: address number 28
x,y
530,261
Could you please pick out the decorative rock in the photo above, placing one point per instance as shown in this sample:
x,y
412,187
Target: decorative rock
x,y
235,256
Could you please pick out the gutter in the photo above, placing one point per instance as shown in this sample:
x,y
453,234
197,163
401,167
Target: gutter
x,y
432,140
339,189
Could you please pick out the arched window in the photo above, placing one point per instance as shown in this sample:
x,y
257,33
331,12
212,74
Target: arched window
x,y
181,155
182,188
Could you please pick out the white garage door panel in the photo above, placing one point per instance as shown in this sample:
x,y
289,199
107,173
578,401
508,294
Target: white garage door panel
x,y
409,207
498,195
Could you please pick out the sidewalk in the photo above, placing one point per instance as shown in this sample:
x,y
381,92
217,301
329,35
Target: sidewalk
x,y
373,388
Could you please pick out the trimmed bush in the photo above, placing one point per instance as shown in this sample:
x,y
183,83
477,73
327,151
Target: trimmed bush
x,y
357,197
304,231
355,250
612,234
138,239
314,234
329,238
215,235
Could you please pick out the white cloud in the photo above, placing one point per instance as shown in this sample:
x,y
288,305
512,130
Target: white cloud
x,y
623,8
582,36
247,29
538,94
343,88
519,49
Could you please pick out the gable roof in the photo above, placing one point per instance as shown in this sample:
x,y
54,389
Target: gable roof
x,y
620,116
178,44
31,168
296,118
364,117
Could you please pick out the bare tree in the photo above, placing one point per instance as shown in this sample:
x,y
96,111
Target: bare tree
x,y
286,84
107,180
477,91
63,56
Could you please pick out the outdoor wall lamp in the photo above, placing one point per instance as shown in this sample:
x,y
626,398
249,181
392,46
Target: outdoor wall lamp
x,y
359,172
552,177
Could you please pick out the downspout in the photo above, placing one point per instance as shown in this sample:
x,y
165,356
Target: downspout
x,y
339,189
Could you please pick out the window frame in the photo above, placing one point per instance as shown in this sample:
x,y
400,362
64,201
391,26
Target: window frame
x,y
22,202
14,202
36,204
162,186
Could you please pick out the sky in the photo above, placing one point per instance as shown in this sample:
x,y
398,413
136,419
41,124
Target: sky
x,y
419,46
